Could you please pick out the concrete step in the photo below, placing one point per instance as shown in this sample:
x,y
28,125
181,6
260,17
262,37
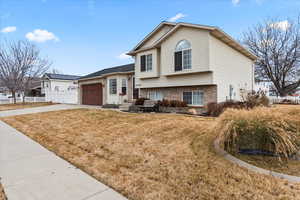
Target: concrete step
x,y
125,106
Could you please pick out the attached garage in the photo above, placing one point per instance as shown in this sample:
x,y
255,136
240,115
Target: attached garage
x,y
92,94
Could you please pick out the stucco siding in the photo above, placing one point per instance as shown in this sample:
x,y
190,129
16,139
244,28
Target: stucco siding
x,y
163,62
117,98
163,30
155,64
173,81
199,40
230,68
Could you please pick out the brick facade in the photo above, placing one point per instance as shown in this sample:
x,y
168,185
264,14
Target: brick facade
x,y
175,93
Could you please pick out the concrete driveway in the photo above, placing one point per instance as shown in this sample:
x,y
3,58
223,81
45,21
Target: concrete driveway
x,y
29,171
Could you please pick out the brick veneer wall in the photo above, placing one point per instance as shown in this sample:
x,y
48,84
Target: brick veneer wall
x,y
175,93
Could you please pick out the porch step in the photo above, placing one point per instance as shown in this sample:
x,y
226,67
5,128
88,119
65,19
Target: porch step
x,y
125,106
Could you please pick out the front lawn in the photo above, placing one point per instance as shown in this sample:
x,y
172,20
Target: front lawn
x,y
4,107
149,156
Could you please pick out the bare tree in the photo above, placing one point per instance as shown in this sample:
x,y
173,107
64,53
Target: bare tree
x,y
55,71
20,64
277,46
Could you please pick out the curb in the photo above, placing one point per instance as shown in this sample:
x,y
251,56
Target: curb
x,y
227,156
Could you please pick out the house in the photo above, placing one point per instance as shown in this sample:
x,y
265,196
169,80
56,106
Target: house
x,y
113,85
60,88
194,63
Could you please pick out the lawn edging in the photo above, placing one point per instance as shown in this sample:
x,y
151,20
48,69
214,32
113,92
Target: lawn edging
x,y
229,157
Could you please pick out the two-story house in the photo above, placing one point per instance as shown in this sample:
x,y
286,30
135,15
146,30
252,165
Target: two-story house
x,y
193,63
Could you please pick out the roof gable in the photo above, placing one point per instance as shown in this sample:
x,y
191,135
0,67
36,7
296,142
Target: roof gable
x,y
154,35
214,31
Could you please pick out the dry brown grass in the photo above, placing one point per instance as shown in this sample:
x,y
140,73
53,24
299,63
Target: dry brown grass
x,y
150,156
2,195
259,128
4,107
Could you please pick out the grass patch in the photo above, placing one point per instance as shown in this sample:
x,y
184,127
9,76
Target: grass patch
x,y
4,107
149,156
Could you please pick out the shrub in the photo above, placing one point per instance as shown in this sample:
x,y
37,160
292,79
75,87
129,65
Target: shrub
x,y
215,109
172,103
254,99
261,129
250,101
140,101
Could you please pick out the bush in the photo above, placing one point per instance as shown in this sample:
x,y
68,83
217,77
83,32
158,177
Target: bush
x,y
254,99
172,103
215,109
140,101
261,129
250,101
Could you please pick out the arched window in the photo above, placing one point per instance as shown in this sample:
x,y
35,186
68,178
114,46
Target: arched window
x,y
183,55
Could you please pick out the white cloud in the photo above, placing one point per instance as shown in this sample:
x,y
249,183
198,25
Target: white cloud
x,y
123,56
39,35
283,25
176,17
9,29
235,2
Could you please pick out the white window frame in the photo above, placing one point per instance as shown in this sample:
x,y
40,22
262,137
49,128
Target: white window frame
x,y
149,62
194,91
110,86
124,84
184,67
158,96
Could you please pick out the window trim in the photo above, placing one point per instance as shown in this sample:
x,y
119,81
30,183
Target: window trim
x,y
110,87
124,80
182,56
146,62
155,93
192,91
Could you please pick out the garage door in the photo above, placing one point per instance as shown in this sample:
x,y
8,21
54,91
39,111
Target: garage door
x,y
92,94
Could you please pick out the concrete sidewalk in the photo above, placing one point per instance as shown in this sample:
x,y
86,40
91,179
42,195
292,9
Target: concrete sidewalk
x,y
24,111
28,171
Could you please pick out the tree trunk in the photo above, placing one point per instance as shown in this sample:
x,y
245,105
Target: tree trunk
x,y
23,98
14,96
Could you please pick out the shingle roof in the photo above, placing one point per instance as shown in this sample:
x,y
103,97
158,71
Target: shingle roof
x,y
62,76
122,68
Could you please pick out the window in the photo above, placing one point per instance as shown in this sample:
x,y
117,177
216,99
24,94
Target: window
x,y
56,88
113,86
193,98
124,86
183,56
155,95
149,62
146,63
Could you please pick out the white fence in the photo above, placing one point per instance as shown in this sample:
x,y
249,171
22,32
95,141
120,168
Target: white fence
x,y
19,100
287,99
68,96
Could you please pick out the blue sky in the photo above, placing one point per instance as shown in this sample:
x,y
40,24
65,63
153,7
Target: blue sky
x,y
83,36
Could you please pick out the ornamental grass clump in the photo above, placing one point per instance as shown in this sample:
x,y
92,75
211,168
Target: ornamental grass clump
x,y
261,129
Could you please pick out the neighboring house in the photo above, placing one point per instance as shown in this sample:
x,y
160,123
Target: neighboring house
x,y
35,89
60,88
265,86
108,86
193,63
